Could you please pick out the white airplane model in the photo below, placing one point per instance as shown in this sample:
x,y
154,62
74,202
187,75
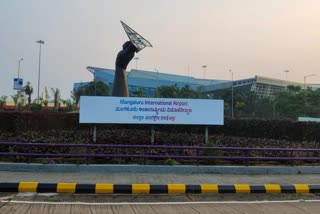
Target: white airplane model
x,y
136,38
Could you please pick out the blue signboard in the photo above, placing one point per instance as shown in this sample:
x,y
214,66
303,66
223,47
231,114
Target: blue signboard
x,y
17,84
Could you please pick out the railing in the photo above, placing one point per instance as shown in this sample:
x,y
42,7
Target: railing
x,y
290,153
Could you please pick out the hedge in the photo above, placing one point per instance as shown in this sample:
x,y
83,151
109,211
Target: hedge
x,y
15,122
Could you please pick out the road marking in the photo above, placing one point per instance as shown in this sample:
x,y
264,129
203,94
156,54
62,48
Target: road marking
x,y
157,203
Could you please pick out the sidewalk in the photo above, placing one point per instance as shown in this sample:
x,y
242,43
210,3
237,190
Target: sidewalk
x,y
156,178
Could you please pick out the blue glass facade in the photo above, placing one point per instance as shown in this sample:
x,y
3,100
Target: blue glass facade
x,y
148,81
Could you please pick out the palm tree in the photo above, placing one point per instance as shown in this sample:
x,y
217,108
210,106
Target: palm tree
x,y
16,98
28,89
45,103
3,100
56,97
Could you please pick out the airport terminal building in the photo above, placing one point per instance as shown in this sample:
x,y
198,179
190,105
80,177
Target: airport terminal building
x,y
148,81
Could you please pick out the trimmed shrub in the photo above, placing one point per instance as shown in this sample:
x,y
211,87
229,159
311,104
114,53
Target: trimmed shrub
x,y
270,129
35,107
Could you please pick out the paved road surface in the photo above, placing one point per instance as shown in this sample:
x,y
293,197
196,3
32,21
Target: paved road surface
x,y
152,178
266,208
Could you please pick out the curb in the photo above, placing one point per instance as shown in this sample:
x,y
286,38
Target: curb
x,y
109,188
118,168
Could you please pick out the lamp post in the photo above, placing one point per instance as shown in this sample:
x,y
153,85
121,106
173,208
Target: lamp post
x,y
19,67
136,58
204,71
157,81
95,83
286,71
274,108
40,42
231,93
305,78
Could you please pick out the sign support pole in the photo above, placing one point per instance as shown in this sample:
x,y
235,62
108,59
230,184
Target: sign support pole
x,y
206,135
94,136
152,135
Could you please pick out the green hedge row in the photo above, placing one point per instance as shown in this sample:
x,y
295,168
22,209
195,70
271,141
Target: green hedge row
x,y
273,129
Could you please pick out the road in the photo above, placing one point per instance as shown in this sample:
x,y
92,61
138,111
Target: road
x,y
212,208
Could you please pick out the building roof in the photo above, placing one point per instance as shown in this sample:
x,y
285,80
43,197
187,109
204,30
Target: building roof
x,y
151,79
154,79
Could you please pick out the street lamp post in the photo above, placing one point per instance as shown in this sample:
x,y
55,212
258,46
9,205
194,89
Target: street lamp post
x,y
157,81
40,42
204,71
231,93
305,78
19,67
274,108
136,58
95,83
286,71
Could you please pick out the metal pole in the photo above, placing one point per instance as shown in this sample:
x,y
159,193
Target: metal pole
x,y
286,71
304,80
39,71
94,134
204,71
136,58
188,73
152,135
157,82
40,43
231,94
274,110
206,135
19,68
95,84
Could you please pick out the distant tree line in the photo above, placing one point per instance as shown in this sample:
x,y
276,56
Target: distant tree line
x,y
290,103
287,104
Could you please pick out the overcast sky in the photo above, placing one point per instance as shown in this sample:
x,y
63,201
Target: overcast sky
x,y
250,37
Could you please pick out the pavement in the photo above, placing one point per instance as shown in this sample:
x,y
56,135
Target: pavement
x,y
183,203
157,178
196,208
166,169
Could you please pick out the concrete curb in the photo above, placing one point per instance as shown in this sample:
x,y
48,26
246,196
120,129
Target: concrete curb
x,y
249,170
108,188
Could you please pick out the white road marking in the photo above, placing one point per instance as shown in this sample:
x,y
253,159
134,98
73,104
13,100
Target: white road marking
x,y
156,203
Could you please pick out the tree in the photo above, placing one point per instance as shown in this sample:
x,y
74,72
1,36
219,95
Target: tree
x,y
187,92
244,102
240,108
166,91
56,97
68,104
3,100
264,108
45,103
296,102
75,97
18,99
293,89
138,93
28,89
98,88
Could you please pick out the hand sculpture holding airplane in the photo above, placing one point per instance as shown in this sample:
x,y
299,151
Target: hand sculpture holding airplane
x,y
129,48
120,84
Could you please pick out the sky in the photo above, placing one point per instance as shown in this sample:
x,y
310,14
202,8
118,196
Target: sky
x,y
250,37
